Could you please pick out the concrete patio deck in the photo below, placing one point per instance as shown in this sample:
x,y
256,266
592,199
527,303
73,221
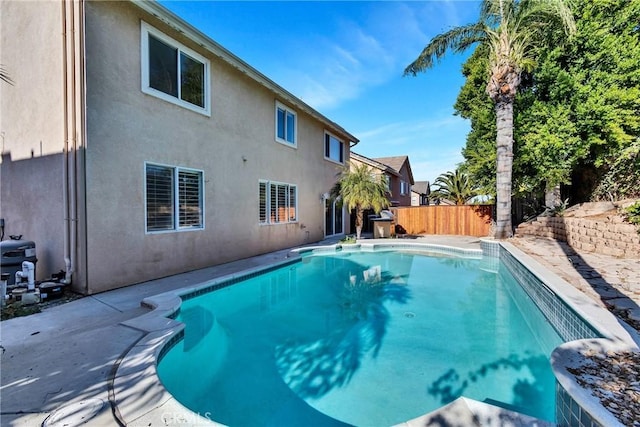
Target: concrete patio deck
x,y
67,353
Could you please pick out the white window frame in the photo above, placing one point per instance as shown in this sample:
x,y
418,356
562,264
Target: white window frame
x,y
267,208
405,188
328,134
176,199
334,209
145,31
284,141
387,179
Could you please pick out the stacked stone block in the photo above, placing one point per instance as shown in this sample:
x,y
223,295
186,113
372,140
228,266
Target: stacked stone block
x,y
614,238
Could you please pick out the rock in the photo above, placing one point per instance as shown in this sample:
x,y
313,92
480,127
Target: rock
x,y
589,209
613,378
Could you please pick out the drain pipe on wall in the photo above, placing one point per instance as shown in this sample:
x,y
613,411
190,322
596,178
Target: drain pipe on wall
x,y
65,157
73,214
70,157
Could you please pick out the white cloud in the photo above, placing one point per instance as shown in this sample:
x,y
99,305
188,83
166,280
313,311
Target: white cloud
x,y
335,71
326,72
433,144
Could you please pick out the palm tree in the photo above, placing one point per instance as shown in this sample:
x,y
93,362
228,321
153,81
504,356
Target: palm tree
x,y
512,30
360,189
454,186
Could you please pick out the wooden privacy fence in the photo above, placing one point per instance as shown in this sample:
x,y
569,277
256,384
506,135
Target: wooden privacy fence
x,y
464,220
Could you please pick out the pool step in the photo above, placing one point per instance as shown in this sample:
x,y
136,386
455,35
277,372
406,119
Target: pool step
x,y
468,412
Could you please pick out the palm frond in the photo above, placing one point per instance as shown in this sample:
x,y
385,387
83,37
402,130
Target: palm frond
x,y
456,39
455,186
361,189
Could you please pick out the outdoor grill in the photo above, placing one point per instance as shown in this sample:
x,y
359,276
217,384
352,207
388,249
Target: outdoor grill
x,y
384,225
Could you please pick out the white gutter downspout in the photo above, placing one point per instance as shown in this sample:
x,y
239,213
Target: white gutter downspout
x,y
70,132
65,157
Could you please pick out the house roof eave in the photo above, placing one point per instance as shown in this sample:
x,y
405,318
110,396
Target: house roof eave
x,y
374,163
397,163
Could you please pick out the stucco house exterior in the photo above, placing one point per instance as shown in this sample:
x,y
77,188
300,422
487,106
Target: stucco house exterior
x,y
397,169
420,192
400,184
135,147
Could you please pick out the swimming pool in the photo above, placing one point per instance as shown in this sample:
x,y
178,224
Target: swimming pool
x,y
361,338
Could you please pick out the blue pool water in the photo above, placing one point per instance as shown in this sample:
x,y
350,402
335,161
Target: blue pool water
x,y
362,338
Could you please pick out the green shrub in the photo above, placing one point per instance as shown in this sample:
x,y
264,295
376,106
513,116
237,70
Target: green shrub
x,y
632,214
18,310
348,240
622,180
558,210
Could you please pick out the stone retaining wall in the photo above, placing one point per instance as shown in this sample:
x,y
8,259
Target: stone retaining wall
x,y
614,238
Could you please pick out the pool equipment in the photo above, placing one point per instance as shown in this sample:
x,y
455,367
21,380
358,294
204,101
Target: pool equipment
x,y
50,290
14,252
26,275
3,288
21,296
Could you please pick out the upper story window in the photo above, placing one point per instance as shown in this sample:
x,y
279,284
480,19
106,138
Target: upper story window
x,y
286,126
173,72
405,188
174,198
333,148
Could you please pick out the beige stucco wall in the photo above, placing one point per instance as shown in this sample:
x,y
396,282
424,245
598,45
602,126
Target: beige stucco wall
x,y
126,127
31,53
31,128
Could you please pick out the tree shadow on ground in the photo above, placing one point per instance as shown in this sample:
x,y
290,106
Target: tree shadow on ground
x,y
613,298
45,368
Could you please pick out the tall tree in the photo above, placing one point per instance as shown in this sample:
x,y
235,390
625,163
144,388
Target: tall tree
x,y
454,186
599,80
511,30
474,105
361,189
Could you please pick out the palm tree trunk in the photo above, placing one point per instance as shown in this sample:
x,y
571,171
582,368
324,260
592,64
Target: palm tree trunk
x,y
504,143
359,221
552,198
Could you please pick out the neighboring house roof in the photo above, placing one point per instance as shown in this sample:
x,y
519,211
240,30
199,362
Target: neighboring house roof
x,y
421,187
397,162
374,163
207,43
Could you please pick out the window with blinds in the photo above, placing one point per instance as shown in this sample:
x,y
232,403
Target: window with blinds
x,y
174,198
190,200
277,203
262,201
159,198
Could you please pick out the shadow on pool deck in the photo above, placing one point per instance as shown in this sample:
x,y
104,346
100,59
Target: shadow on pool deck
x,y
613,298
613,282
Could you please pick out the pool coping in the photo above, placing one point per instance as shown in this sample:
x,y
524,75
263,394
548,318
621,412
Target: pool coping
x,y
139,398
575,404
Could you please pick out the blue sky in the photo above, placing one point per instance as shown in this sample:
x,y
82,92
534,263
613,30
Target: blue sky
x,y
346,60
